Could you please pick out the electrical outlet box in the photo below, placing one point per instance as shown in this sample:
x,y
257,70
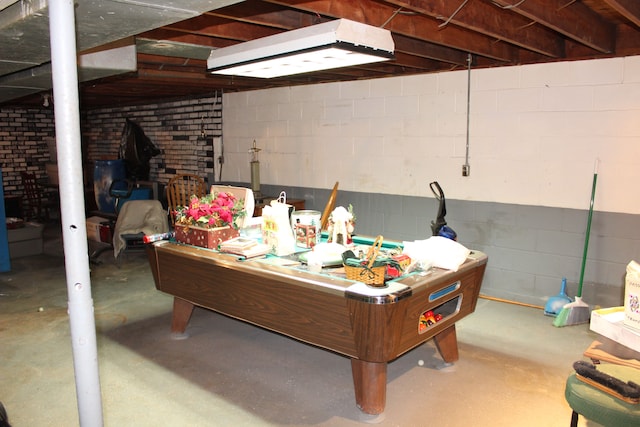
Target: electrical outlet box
x,y
466,169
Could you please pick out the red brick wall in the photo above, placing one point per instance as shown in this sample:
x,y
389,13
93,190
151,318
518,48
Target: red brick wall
x,y
27,138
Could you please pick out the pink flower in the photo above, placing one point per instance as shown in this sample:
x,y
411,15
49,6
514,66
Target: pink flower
x,y
212,210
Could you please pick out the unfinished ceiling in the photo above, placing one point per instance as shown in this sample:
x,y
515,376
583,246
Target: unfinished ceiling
x,y
429,35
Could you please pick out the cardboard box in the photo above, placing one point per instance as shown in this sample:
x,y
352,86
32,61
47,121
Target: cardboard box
x,y
632,296
25,241
609,322
94,225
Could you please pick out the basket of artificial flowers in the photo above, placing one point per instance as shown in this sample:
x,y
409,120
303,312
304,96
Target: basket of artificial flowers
x,y
368,270
209,220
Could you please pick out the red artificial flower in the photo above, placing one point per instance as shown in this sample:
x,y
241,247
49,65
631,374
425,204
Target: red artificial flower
x,y
212,210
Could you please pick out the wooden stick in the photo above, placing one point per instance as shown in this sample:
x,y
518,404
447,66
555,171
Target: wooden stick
x,y
331,204
524,304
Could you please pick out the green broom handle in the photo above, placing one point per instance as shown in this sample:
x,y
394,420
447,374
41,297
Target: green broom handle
x,y
586,237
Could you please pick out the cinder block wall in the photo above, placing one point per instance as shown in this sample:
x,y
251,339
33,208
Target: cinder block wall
x,y
535,132
530,248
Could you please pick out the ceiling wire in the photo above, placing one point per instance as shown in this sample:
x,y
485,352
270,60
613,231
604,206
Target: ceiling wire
x,y
445,23
509,6
567,5
466,167
396,13
393,15
522,27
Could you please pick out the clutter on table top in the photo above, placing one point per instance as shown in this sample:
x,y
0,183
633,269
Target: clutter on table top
x,y
297,235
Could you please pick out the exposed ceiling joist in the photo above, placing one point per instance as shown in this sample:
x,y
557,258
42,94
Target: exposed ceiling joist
x,y
572,19
484,18
429,36
630,9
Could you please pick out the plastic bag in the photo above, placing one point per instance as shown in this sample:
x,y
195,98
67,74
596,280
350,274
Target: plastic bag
x,y
276,228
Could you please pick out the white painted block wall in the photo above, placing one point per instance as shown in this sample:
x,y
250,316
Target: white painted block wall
x,y
535,133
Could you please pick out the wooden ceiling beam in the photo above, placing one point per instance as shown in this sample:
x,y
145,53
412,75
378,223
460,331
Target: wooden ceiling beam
x,y
429,50
627,40
182,37
415,25
262,13
572,19
481,17
224,28
147,58
630,9
418,62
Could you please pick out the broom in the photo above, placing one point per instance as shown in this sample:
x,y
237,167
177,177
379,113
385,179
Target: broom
x,y
577,312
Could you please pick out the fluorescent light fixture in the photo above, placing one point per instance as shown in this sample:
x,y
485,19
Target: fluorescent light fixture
x,y
334,44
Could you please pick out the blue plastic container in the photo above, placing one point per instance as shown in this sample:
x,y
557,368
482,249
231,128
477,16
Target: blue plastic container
x,y
104,173
5,263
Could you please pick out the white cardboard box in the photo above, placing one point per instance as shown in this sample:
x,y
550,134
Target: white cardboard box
x,y
609,322
93,227
632,296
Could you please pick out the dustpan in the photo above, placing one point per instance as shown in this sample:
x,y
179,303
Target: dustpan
x,y
555,303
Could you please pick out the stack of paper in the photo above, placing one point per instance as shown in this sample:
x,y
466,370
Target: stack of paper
x,y
248,248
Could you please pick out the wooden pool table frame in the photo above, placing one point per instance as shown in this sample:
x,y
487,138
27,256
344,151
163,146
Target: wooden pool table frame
x,y
321,309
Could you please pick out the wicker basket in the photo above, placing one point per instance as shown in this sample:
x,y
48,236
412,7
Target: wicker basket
x,y
367,272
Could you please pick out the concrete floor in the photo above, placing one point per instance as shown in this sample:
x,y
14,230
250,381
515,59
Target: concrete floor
x,y
512,368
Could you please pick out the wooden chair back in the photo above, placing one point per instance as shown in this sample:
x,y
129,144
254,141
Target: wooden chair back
x,y
180,189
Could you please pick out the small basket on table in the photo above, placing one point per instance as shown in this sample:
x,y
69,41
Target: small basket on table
x,y
369,270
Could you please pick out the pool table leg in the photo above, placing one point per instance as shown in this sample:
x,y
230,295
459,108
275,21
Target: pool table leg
x,y
370,384
447,344
182,311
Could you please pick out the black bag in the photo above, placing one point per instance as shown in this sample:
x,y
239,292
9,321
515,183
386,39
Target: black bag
x,y
136,149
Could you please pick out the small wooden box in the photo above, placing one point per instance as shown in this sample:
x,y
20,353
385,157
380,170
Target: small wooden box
x,y
204,237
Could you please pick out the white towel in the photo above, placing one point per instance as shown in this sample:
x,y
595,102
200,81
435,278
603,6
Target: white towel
x,y
136,216
439,251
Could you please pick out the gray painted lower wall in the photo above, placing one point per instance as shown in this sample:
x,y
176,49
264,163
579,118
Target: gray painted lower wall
x,y
530,248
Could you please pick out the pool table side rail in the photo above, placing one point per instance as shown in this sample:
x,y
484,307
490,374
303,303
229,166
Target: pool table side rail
x,y
318,318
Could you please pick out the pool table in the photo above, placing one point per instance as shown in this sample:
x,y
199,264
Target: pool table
x,y
370,326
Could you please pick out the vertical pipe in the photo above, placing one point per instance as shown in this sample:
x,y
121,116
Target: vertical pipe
x,y
466,168
74,232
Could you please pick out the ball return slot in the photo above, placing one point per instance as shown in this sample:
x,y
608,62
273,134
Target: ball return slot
x,y
433,315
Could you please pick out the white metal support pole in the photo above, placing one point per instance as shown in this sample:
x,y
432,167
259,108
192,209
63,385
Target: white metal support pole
x,y
74,231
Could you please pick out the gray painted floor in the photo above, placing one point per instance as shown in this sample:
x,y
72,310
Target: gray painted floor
x,y
511,372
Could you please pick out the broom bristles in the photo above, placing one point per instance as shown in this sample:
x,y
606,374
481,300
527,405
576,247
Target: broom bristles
x,y
573,313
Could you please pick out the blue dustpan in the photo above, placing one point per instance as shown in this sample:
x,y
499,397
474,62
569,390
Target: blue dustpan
x,y
554,304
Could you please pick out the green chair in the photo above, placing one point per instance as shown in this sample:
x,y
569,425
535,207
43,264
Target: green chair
x,y
600,407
